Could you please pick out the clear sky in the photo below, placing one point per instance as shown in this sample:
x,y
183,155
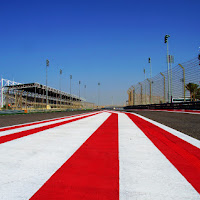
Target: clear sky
x,y
106,41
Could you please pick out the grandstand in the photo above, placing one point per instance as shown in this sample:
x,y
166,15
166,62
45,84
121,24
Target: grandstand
x,y
37,96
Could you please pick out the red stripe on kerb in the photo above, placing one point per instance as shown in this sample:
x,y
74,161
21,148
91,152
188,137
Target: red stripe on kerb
x,y
10,137
184,156
93,170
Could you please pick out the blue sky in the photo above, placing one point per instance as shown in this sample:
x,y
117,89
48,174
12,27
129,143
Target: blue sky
x,y
106,41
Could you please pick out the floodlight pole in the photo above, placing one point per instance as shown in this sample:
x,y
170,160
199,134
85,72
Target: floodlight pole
x,y
171,60
168,77
145,85
79,90
60,86
150,69
150,79
70,88
47,65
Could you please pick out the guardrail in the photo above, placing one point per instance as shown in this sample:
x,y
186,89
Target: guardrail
x,y
195,105
2,112
12,112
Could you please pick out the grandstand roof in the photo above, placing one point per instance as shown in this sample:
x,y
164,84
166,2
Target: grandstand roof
x,y
41,89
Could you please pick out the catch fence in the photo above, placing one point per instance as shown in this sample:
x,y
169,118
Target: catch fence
x,y
156,90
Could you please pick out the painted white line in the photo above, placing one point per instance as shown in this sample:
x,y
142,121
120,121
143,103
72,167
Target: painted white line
x,y
26,164
16,130
179,134
145,173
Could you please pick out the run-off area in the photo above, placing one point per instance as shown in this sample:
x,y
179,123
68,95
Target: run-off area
x,y
102,155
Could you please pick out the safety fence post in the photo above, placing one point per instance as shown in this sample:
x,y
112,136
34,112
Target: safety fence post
x,y
183,79
150,90
164,84
141,93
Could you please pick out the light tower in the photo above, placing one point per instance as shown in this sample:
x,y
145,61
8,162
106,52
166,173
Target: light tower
x,y
149,60
47,65
60,86
70,87
79,90
168,78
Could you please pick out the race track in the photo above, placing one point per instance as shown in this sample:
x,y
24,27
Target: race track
x,y
98,155
186,122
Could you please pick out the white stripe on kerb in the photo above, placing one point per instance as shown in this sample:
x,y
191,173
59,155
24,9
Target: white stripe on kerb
x,y
145,173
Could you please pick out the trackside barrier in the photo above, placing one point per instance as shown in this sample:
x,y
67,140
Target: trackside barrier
x,y
184,105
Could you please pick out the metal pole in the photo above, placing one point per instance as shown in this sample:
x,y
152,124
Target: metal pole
x,y
164,84
150,71
133,95
145,85
70,88
7,92
47,64
150,80
128,92
150,88
35,97
79,90
183,79
141,93
171,80
168,78
2,92
60,86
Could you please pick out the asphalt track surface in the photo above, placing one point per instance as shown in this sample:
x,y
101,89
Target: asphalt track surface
x,y
183,122
101,155
9,120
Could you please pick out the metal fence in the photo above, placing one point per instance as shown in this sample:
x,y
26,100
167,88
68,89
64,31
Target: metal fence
x,y
155,90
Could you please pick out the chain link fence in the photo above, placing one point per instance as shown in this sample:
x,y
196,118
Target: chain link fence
x,y
156,90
